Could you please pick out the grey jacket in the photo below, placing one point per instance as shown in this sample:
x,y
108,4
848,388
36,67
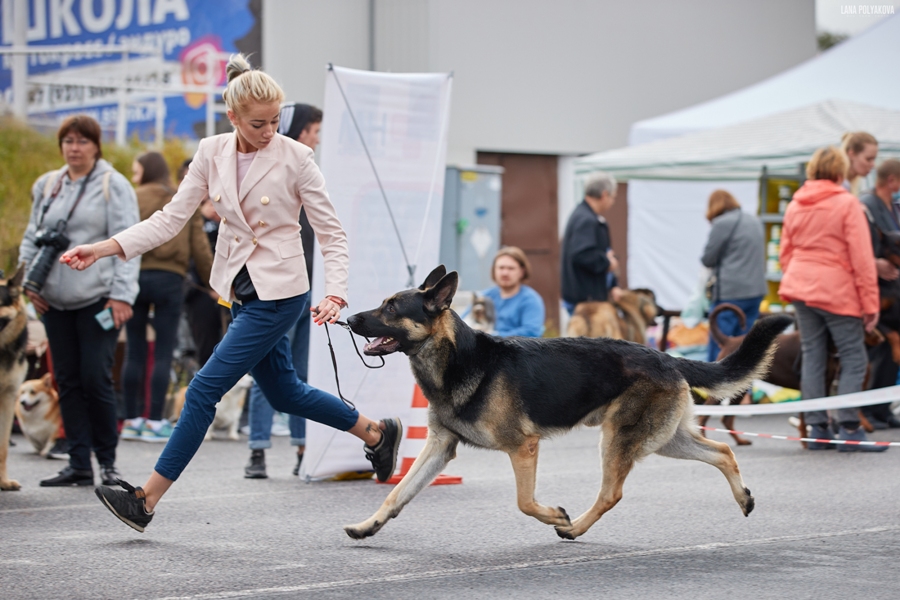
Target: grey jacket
x,y
742,261
95,219
881,215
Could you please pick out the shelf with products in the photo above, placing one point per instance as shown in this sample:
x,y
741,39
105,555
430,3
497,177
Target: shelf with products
x,y
775,192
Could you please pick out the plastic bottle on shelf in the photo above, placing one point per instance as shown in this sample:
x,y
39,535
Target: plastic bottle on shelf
x,y
773,249
784,196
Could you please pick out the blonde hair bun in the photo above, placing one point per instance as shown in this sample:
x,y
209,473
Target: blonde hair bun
x,y
247,85
237,65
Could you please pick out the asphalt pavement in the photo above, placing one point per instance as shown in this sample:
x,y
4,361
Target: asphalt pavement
x,y
826,525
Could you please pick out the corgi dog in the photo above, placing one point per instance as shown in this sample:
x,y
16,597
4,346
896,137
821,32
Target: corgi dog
x,y
38,413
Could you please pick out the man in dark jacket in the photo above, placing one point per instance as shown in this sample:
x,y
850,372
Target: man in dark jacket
x,y
884,217
587,259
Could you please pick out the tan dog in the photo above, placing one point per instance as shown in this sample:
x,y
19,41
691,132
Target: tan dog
x,y
482,316
13,362
626,319
38,413
229,408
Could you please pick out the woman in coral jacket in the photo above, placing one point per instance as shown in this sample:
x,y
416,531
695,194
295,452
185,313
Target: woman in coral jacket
x,y
258,182
829,276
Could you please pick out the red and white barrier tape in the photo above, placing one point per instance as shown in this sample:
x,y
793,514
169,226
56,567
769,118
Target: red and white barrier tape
x,y
791,438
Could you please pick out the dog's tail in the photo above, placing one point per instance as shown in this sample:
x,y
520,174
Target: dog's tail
x,y
734,374
721,338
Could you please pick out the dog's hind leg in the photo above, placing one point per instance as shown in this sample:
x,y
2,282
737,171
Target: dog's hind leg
x,y
617,462
524,462
440,448
688,444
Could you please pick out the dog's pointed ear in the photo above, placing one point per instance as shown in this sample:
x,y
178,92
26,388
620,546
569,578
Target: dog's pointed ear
x,y
433,277
47,379
440,295
19,277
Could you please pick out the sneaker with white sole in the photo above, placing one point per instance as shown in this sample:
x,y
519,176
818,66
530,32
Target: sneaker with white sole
x,y
128,505
384,455
157,435
132,429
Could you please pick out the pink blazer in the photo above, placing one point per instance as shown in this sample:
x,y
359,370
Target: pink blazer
x,y
260,225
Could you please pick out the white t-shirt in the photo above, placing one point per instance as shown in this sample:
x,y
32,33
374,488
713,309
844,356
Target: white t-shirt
x,y
244,159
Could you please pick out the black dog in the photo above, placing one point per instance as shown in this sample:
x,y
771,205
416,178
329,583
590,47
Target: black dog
x,y
507,394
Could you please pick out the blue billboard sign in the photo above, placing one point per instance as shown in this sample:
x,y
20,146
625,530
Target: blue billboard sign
x,y
182,44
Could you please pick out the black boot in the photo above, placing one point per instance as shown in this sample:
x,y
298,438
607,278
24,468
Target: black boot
x,y
256,468
70,477
296,470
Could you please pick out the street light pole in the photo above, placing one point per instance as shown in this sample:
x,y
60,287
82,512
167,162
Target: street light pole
x,y
20,61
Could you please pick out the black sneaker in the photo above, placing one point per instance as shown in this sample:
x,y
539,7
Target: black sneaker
x,y
384,455
70,477
256,468
127,505
296,470
60,450
109,475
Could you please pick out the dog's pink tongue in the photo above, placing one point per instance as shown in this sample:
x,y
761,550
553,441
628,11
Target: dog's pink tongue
x,y
374,343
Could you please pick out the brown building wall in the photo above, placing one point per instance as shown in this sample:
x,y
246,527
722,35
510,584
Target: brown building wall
x,y
617,219
529,219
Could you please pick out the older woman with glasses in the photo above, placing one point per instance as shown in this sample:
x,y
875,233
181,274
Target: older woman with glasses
x,y
84,202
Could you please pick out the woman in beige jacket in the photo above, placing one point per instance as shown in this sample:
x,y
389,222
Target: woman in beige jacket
x,y
258,181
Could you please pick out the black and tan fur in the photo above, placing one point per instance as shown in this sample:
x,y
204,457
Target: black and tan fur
x,y
508,394
13,363
626,319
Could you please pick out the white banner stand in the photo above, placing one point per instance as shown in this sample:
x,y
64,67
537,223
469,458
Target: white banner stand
x,y
383,154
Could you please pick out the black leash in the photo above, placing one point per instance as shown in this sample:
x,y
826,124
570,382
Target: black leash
x,y
337,379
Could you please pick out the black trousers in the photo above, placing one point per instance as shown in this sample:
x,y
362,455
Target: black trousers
x,y
163,290
883,374
206,319
83,354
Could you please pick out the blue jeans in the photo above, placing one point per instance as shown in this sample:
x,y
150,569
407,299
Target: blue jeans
x,y
255,342
729,324
164,290
261,411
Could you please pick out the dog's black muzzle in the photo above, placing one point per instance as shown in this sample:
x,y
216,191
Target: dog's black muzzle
x,y
383,344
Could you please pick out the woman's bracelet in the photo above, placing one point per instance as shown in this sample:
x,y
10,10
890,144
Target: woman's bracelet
x,y
339,301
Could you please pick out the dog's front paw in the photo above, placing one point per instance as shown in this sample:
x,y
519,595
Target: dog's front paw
x,y
748,504
10,485
361,531
565,532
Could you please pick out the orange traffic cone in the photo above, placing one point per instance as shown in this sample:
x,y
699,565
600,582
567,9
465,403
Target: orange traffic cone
x,y
416,432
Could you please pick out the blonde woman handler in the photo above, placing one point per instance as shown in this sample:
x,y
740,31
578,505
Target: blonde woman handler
x,y
258,181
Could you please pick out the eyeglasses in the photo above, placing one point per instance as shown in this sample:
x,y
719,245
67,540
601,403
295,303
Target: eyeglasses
x,y
79,141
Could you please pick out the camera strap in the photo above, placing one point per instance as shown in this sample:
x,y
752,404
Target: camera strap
x,y
56,191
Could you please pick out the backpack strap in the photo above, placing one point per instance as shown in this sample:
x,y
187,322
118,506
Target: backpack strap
x,y
106,178
51,180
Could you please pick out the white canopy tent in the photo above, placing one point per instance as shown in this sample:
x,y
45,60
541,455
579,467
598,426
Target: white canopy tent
x,y
861,69
723,143
779,141
671,179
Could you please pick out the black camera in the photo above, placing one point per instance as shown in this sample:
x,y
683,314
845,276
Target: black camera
x,y
52,242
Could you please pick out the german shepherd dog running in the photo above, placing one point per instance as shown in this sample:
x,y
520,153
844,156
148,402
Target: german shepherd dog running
x,y
13,363
507,394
